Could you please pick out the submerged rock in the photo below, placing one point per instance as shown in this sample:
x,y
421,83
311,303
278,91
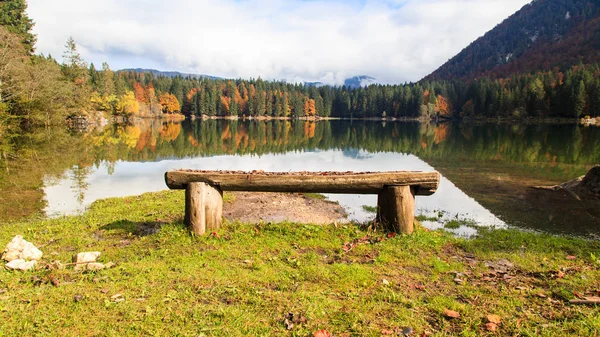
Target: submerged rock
x,y
20,249
586,187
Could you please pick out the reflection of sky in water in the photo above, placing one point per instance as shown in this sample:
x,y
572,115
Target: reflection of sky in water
x,y
133,178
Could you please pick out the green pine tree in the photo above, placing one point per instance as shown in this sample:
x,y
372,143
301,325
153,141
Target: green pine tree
x,y
13,16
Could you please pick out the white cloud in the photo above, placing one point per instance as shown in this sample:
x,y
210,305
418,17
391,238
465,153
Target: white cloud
x,y
393,41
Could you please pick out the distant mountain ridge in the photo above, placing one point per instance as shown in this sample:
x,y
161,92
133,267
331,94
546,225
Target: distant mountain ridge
x,y
169,73
542,35
359,81
352,82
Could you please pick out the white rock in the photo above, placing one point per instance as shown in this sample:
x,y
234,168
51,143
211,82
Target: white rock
x,y
95,266
87,257
19,249
30,252
13,249
21,264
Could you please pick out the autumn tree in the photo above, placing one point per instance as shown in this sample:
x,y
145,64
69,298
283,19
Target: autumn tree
x,y
128,104
309,107
443,107
169,103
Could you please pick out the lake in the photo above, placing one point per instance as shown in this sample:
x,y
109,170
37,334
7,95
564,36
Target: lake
x,y
488,170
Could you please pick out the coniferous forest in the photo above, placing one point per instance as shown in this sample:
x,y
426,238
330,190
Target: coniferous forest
x,y
38,90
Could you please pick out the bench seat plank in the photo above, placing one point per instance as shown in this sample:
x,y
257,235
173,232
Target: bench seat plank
x,y
423,183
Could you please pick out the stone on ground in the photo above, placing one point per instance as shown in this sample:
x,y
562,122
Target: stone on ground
x,y
20,249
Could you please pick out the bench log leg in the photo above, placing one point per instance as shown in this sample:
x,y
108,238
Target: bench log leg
x,y
396,209
203,207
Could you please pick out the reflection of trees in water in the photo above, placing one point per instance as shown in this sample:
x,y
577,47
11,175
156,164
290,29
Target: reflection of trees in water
x,y
560,152
79,185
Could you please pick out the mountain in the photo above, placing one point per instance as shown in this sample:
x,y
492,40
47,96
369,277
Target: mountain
x,y
542,35
352,82
168,73
359,81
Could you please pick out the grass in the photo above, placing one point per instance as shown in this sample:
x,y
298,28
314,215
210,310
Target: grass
x,y
317,196
244,279
228,197
422,218
370,209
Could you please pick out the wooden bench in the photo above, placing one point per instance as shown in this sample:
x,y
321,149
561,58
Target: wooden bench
x,y
395,204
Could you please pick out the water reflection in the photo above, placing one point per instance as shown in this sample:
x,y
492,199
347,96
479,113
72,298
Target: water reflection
x,y
135,178
487,168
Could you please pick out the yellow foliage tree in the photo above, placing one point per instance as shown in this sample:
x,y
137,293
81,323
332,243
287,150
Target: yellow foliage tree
x,y
127,104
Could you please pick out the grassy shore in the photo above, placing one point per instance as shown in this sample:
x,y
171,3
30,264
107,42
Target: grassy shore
x,y
246,279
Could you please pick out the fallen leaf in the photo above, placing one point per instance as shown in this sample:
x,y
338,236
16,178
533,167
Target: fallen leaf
x,y
493,319
391,235
492,327
571,257
451,313
419,287
54,280
321,333
385,282
387,332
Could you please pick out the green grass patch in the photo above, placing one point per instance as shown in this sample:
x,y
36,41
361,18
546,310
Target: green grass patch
x,y
247,277
370,209
457,223
228,197
423,217
317,196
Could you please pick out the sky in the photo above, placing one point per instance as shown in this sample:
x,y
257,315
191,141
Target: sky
x,y
394,41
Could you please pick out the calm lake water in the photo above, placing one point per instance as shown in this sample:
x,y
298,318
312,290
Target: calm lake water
x,y
487,170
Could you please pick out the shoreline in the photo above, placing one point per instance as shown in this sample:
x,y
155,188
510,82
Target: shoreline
x,y
511,121
97,118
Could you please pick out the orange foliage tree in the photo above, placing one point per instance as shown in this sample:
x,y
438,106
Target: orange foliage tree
x,y
140,93
309,107
169,103
426,96
225,104
443,107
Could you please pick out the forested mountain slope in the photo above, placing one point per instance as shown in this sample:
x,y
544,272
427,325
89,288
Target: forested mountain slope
x,y
542,35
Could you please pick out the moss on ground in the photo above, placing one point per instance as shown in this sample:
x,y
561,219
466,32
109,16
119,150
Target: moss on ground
x,y
245,279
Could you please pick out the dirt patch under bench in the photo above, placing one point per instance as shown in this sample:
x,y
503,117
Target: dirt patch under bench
x,y
277,207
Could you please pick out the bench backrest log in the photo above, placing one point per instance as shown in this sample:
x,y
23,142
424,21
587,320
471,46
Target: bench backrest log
x,y
395,190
